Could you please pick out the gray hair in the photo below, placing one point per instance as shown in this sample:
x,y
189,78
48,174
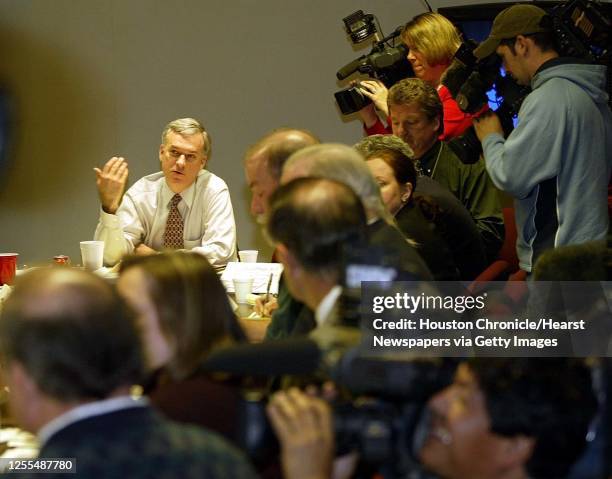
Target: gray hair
x,y
188,126
374,144
342,163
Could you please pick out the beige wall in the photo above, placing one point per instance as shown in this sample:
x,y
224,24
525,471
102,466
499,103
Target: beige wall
x,y
92,79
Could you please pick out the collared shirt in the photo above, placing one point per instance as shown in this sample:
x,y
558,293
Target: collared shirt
x,y
324,312
206,209
87,410
471,184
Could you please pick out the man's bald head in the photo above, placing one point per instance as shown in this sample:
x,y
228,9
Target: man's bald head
x,y
55,293
72,333
265,159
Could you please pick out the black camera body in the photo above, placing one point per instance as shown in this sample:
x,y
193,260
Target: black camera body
x,y
386,61
351,100
468,81
382,415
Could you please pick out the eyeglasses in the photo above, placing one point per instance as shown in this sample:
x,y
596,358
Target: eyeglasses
x,y
189,157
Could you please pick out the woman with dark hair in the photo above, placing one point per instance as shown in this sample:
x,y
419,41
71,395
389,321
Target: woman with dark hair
x,y
447,238
184,314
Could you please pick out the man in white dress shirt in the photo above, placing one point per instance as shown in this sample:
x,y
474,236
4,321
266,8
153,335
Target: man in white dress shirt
x,y
184,206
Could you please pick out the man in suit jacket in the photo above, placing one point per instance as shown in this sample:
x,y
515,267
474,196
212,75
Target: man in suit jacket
x,y
329,215
73,352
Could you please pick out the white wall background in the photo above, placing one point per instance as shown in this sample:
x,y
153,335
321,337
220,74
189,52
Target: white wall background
x,y
93,79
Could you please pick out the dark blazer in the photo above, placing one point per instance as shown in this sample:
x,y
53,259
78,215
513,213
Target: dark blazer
x,y
200,399
456,227
136,443
431,246
408,260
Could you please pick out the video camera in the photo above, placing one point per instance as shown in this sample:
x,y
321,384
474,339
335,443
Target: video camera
x,y
581,30
382,413
384,395
386,61
468,81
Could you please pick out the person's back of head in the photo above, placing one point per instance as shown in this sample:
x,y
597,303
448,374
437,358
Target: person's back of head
x,y
72,334
264,161
314,218
343,164
525,397
372,145
581,262
278,145
190,303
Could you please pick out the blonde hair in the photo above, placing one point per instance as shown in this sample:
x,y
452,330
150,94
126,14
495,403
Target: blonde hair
x,y
434,36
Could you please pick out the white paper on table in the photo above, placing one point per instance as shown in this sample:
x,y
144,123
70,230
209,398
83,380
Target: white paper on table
x,y
260,272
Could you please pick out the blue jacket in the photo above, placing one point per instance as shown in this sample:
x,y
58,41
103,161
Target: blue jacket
x,y
556,163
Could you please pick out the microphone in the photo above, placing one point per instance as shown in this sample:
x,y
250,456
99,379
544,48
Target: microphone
x,y
350,68
292,356
285,356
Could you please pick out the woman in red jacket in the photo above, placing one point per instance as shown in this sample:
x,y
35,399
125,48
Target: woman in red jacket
x,y
432,41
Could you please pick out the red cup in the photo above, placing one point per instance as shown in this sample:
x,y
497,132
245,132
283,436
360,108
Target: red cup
x,y
8,266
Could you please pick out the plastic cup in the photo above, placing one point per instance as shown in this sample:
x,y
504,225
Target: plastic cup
x,y
8,267
92,254
242,288
248,255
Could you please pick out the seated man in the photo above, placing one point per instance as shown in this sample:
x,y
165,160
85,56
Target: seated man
x,y
343,164
416,117
263,164
330,215
72,352
184,206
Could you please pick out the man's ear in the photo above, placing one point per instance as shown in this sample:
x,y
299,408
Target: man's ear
x,y
436,124
161,152
522,44
19,378
287,258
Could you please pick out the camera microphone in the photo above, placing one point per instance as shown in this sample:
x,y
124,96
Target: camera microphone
x,y
285,356
350,68
292,356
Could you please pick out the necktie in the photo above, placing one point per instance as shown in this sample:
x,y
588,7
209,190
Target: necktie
x,y
173,234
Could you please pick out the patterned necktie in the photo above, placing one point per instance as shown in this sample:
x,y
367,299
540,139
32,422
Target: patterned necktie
x,y
173,234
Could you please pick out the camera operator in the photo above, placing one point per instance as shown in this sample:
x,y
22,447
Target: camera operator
x,y
432,41
304,427
501,418
556,163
